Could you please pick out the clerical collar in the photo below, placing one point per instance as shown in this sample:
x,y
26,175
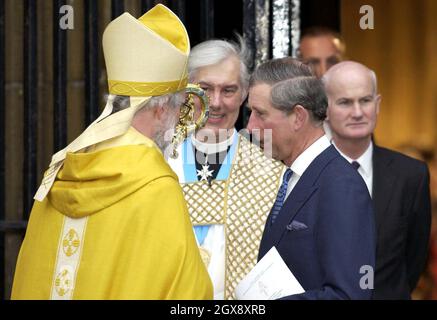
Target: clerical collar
x,y
210,148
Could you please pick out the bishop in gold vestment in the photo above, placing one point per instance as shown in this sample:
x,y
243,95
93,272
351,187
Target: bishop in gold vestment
x,y
110,220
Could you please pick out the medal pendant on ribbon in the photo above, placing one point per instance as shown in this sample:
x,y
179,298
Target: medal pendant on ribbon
x,y
205,173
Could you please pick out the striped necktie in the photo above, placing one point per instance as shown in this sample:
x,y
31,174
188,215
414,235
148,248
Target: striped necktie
x,y
281,195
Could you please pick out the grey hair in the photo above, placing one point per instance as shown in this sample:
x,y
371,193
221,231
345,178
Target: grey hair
x,y
374,81
211,52
119,103
173,100
306,91
276,70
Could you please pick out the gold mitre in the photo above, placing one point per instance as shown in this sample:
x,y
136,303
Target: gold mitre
x,y
146,56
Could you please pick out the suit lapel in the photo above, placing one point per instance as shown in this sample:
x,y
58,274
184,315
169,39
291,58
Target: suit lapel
x,y
303,191
383,181
298,197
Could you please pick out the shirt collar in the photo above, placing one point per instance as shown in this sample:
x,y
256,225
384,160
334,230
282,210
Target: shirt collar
x,y
365,160
303,161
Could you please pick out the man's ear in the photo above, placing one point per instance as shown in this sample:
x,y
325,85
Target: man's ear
x,y
159,113
301,116
378,102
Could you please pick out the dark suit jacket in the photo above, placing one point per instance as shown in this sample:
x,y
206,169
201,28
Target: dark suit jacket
x,y
403,216
332,201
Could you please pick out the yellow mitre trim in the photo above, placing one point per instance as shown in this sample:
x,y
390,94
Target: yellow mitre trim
x,y
146,56
145,89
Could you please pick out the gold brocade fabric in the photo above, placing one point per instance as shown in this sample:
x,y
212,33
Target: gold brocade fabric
x,y
206,204
242,203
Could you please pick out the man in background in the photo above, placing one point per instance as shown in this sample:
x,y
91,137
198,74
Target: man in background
x,y
399,185
321,48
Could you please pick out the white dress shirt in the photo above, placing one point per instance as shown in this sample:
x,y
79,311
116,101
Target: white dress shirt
x,y
366,167
303,161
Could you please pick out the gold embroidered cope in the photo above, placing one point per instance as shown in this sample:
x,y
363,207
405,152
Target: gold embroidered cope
x,y
241,203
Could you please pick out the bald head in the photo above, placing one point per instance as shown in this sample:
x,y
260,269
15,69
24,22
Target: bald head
x,y
353,103
349,71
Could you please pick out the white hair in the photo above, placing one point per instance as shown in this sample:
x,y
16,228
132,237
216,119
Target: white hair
x,y
374,81
173,100
211,52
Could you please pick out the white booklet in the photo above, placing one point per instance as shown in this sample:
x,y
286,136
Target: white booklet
x,y
270,279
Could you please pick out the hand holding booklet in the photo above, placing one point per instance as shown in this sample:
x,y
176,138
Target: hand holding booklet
x,y
270,279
